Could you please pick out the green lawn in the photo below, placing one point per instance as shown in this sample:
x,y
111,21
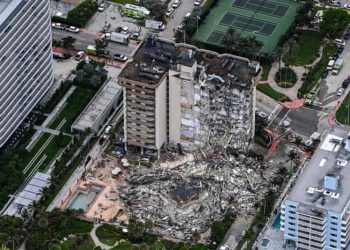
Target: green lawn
x,y
286,77
267,90
343,113
265,73
80,243
74,106
109,234
76,226
306,49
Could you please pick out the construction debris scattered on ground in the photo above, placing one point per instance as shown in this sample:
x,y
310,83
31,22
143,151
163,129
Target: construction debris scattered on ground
x,y
188,194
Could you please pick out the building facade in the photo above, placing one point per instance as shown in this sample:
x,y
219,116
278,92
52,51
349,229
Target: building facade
x,y
316,213
25,62
178,94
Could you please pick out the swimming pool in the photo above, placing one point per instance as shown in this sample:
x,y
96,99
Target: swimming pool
x,y
84,198
277,222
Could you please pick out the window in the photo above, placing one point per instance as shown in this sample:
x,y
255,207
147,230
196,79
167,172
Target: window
x,y
333,217
334,223
292,212
333,246
292,229
334,229
292,206
333,240
291,234
291,223
334,235
291,217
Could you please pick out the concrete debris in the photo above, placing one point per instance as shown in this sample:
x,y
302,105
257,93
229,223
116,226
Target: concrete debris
x,y
190,193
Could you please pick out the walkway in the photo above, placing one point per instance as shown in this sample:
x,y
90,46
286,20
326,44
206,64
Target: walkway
x,y
292,92
47,130
97,242
52,115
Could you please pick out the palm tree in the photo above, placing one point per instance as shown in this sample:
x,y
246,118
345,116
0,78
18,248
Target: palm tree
x,y
230,39
68,43
195,236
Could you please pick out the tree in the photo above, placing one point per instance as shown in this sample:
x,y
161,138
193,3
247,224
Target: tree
x,y
68,43
136,229
101,45
12,231
148,224
3,247
156,7
230,39
334,22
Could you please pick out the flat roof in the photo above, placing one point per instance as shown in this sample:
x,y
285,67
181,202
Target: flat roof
x,y
155,56
98,105
332,158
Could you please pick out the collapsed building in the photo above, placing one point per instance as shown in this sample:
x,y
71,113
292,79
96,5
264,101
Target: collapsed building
x,y
178,94
189,195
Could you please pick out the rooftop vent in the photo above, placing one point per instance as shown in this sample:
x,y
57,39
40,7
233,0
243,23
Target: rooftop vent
x,y
341,162
311,190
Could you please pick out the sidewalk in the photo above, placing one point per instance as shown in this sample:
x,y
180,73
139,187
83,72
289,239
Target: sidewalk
x,y
52,115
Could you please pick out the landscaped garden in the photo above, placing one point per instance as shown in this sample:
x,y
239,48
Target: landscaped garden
x,y
343,112
286,77
305,49
267,90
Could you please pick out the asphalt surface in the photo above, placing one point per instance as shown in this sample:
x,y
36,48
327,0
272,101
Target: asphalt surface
x,y
84,39
177,17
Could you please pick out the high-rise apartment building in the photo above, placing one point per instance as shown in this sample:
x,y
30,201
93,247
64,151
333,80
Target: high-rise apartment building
x,y
25,60
316,213
176,93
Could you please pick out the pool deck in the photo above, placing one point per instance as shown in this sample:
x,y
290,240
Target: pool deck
x,y
107,203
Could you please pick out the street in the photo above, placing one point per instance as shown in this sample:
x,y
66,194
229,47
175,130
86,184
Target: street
x,y
83,39
177,17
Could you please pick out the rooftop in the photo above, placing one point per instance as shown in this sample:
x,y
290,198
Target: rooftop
x,y
156,56
103,99
332,158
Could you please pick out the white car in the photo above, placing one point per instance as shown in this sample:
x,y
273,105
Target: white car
x,y
347,6
197,3
286,123
340,91
59,26
72,29
224,247
261,114
176,4
169,12
188,14
125,30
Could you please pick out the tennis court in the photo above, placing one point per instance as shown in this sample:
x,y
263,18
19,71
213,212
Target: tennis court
x,y
267,20
251,24
265,7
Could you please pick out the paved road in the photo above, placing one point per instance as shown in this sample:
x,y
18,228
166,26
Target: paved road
x,y
83,39
178,15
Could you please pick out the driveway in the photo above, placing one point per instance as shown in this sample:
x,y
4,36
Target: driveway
x,y
177,17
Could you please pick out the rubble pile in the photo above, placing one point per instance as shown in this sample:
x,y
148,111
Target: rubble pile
x,y
180,199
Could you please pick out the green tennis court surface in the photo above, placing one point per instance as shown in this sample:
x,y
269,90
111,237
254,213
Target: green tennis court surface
x,y
250,24
268,20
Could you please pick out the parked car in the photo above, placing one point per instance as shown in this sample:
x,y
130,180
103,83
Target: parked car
x,y
340,91
119,152
261,114
59,26
345,83
119,29
339,42
347,36
125,30
324,74
72,29
176,4
120,57
151,153
188,14
102,7
197,3
169,12
79,55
